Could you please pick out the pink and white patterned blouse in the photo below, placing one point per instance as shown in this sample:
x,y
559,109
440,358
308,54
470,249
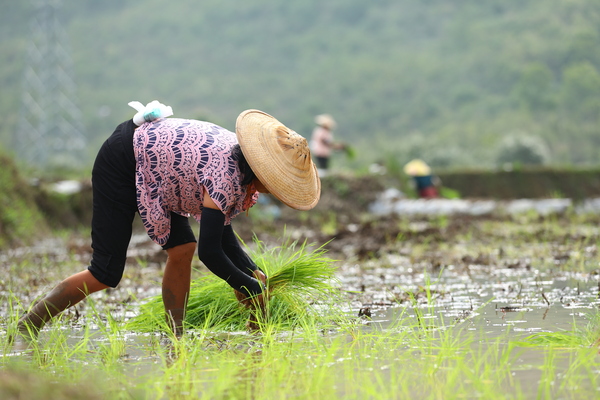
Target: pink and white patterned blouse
x,y
320,142
177,161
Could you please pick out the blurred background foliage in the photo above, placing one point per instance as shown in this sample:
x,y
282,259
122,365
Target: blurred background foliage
x,y
455,82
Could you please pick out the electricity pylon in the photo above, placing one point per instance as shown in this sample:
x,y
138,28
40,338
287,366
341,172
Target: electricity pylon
x,y
50,131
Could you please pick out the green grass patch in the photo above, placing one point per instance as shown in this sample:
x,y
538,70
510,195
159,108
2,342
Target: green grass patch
x,y
301,280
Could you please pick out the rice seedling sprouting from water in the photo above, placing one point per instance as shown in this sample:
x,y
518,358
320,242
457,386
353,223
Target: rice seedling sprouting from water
x,y
300,281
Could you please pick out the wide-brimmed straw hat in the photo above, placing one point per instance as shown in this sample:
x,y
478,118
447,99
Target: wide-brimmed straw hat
x,y
417,167
326,121
280,159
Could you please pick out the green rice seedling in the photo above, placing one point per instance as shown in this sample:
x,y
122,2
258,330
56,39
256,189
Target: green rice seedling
x,y
417,351
571,339
300,278
19,382
553,339
112,346
9,322
330,225
424,308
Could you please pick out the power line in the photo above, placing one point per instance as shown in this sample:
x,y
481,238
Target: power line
x,y
50,131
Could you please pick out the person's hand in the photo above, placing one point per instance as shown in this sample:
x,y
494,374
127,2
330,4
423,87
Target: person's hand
x,y
254,301
258,304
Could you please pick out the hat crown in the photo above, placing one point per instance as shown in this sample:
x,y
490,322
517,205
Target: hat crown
x,y
280,158
294,147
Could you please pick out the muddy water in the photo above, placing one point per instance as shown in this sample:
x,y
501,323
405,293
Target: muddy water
x,y
488,307
506,281
494,293
392,201
491,307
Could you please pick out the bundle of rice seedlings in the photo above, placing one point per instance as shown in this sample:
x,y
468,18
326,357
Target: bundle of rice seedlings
x,y
300,281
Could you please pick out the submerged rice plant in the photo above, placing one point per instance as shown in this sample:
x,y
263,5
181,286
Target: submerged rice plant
x,y
300,281
588,336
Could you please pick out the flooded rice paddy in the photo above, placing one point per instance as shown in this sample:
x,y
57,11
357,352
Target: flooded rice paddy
x,y
439,306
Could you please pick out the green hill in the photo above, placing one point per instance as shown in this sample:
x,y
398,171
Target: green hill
x,y
439,79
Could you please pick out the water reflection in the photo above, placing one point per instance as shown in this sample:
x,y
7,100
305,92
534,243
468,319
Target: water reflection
x,y
390,201
497,302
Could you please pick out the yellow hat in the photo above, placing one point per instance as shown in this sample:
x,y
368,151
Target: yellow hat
x,y
326,121
417,167
280,159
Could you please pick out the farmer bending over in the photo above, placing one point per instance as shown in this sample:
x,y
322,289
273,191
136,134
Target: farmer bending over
x,y
168,169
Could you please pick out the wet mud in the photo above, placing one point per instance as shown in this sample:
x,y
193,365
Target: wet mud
x,y
496,276
539,256
459,264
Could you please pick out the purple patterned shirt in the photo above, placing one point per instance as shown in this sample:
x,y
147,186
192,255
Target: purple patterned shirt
x,y
177,161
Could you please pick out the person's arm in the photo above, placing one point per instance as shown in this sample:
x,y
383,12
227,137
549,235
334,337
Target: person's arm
x,y
212,254
235,252
325,137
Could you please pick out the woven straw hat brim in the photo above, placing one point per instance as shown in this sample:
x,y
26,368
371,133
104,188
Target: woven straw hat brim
x,y
280,158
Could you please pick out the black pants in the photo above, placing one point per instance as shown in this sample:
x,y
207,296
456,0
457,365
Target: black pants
x,y
115,206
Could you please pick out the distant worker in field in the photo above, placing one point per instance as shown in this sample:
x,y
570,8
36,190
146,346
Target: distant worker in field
x,y
322,143
166,170
425,182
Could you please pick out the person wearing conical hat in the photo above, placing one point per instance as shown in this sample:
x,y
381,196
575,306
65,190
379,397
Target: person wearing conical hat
x,y
167,169
322,144
425,182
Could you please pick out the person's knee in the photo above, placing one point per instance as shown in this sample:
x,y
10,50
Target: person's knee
x,y
106,268
183,252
